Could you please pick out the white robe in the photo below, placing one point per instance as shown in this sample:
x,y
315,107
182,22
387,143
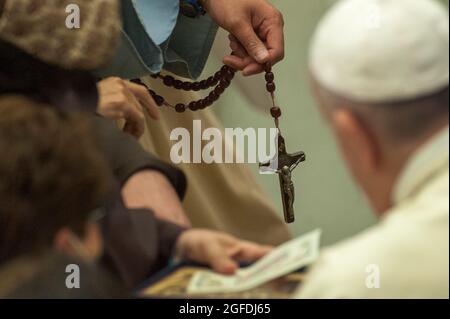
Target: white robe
x,y
406,255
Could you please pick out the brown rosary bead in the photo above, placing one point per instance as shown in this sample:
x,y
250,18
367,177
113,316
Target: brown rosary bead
x,y
180,107
159,100
225,83
203,84
271,87
208,101
229,76
210,82
270,77
196,86
275,112
193,106
219,89
178,84
201,104
214,96
217,76
187,86
168,80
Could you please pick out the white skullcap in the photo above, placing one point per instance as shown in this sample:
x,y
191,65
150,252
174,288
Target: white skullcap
x,y
382,50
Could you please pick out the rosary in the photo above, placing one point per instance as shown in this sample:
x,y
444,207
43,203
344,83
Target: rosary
x,y
285,163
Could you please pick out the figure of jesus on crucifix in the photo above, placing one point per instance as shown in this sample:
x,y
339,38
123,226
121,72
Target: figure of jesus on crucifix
x,y
285,164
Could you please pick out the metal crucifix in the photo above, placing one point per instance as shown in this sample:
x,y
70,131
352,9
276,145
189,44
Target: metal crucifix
x,y
286,163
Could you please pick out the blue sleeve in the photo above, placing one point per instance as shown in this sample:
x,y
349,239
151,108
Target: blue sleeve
x,y
155,37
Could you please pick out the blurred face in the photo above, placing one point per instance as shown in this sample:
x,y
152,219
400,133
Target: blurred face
x,y
357,144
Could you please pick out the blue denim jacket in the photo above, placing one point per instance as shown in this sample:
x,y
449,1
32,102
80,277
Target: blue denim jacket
x,y
155,36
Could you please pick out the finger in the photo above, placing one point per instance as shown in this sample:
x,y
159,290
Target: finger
x,y
252,69
236,62
134,117
113,114
221,262
215,253
275,43
249,252
251,42
236,47
145,98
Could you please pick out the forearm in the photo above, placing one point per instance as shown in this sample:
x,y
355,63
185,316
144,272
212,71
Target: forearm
x,y
146,181
152,190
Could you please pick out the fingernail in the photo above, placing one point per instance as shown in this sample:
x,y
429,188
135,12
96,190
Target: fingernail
x,y
261,55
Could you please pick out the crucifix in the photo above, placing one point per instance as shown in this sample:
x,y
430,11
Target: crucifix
x,y
286,163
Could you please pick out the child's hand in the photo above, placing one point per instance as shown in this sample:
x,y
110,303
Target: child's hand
x,y
220,251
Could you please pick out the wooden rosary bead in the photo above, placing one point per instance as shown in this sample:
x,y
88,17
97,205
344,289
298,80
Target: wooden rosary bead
x,y
201,104
225,69
275,112
225,83
193,106
270,87
269,77
219,89
217,76
206,104
203,84
196,86
159,100
168,80
209,101
229,76
214,96
180,107
187,86
210,82
178,84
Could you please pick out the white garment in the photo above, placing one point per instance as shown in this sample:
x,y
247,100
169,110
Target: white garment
x,y
409,246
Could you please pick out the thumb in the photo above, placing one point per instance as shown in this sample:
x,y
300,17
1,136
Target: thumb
x,y
252,43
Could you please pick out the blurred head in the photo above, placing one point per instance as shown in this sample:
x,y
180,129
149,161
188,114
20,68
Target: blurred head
x,y
379,73
41,39
71,34
53,180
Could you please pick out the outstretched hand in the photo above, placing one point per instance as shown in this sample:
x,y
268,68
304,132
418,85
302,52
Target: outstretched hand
x,y
220,251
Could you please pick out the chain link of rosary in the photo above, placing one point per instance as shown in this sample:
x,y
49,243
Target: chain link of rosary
x,y
220,81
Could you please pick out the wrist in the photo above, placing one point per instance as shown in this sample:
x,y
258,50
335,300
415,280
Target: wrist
x,y
180,246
